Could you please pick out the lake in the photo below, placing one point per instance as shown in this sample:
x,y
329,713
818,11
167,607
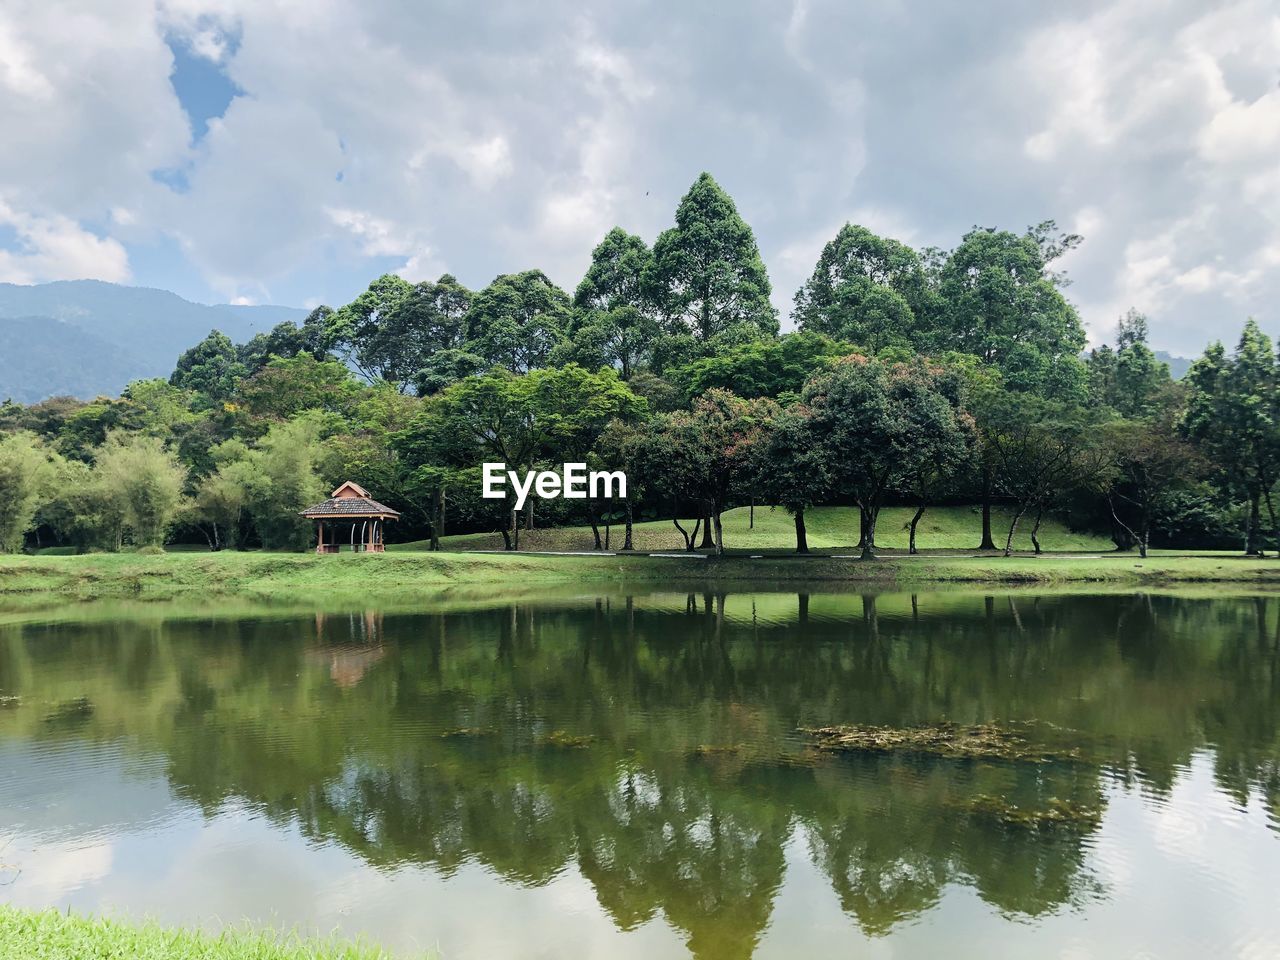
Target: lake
x,y
634,775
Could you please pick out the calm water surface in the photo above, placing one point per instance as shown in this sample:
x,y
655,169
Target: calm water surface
x,y
626,776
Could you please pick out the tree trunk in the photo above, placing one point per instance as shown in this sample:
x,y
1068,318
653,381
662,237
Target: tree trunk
x,y
707,542
862,529
719,531
626,540
751,522
595,531
987,542
689,538
528,515
1035,528
911,546
1251,532
437,518
1271,514
868,521
802,536
1008,543
1120,536
506,538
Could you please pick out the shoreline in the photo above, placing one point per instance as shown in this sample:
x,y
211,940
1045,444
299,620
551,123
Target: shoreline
x,y
282,576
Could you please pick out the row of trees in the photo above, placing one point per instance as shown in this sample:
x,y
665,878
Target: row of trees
x,y
913,377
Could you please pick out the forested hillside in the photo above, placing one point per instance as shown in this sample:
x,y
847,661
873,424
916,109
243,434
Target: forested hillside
x,y
913,379
83,338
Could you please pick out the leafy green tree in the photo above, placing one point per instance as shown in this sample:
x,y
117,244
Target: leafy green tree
x,y
1004,304
422,335
761,368
1042,449
364,447
790,468
517,321
1128,379
1233,417
288,339
621,337
267,484
287,386
77,511
285,481
621,446
1147,466
88,426
211,370
707,278
870,290
945,441
26,471
552,413
615,322
1001,301
712,448
220,506
145,482
1100,369
360,332
158,409
872,420
45,419
616,276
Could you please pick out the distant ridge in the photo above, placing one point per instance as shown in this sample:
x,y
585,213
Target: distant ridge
x,y
86,337
1178,366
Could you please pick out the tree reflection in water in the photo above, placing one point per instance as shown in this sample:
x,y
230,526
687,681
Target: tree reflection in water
x,y
651,741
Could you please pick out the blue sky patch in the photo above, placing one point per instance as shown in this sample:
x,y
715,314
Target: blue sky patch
x,y
204,90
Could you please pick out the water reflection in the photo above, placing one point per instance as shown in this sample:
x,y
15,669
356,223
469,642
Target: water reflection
x,y
651,741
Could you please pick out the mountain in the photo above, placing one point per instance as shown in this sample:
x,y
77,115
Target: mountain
x,y
1178,366
87,337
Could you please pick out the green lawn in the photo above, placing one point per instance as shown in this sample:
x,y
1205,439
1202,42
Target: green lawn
x,y
350,581
51,935
829,528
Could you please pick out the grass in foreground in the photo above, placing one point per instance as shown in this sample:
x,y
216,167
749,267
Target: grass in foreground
x,y
51,935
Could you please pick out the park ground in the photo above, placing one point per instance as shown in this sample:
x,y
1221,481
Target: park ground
x,y
759,557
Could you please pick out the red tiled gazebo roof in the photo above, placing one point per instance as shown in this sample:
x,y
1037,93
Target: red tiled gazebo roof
x,y
350,501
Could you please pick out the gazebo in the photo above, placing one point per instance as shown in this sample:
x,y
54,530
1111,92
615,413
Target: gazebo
x,y
351,516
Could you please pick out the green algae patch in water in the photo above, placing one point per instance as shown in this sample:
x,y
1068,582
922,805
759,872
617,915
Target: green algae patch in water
x,y
564,740
1064,814
979,741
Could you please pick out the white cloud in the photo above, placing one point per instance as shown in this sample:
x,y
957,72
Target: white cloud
x,y
57,248
86,106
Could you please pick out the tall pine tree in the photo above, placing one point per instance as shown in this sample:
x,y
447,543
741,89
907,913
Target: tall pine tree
x,y
707,278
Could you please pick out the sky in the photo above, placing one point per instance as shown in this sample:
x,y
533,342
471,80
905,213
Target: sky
x,y
288,152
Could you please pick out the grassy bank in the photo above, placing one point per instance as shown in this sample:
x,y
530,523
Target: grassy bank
x,y
829,528
51,935
348,579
